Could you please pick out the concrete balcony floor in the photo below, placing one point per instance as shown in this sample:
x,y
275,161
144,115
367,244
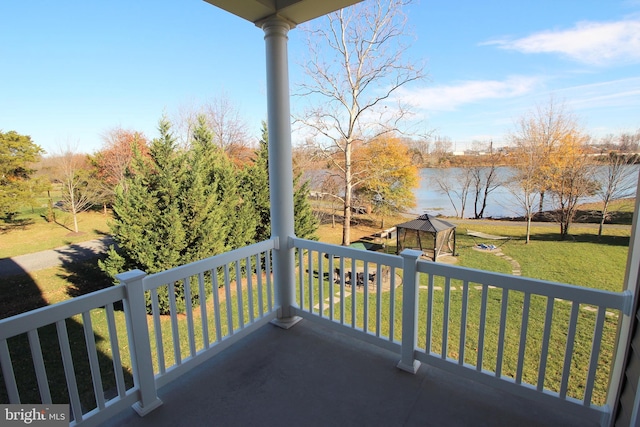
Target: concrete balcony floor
x,y
312,376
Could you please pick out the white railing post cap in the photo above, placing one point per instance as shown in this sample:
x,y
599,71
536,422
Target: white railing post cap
x,y
130,276
411,253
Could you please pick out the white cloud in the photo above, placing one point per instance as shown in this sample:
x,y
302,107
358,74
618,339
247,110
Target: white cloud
x,y
450,97
598,43
621,93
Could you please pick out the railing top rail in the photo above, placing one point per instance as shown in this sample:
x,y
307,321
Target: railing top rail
x,y
197,267
49,314
580,294
344,251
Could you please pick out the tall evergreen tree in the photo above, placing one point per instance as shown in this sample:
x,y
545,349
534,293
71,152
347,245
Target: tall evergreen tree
x,y
147,222
134,215
239,210
175,207
203,215
256,183
179,207
306,223
168,171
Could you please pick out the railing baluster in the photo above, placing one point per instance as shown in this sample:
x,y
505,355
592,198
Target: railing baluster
x,y
259,285
239,298
177,355
365,289
331,286
69,371
378,281
342,297
92,353
249,270
571,335
320,284
188,308
545,344
524,325
595,354
392,303
463,321
8,374
157,329
501,333
353,293
115,349
429,314
38,364
269,280
301,277
482,326
216,304
204,321
310,279
227,294
445,318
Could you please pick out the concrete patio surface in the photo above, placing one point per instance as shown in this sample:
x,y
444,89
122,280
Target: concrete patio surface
x,y
312,376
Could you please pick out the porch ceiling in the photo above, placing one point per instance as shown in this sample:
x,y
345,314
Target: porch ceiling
x,y
295,11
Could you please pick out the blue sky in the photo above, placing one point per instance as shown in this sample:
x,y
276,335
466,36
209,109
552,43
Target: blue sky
x,y
71,70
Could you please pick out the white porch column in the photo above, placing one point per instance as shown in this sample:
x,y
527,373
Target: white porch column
x,y
280,166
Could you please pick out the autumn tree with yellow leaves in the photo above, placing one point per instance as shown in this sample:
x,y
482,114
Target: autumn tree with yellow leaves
x,y
385,175
571,177
549,156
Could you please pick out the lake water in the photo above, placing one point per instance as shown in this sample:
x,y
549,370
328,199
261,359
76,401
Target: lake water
x,y
500,204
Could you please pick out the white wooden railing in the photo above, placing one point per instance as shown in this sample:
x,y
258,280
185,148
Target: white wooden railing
x,y
325,277
244,303
54,347
73,318
454,318
460,319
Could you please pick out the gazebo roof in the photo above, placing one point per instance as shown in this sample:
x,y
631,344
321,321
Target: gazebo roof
x,y
427,223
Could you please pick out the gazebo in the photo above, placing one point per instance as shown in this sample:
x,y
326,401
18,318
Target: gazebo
x,y
434,237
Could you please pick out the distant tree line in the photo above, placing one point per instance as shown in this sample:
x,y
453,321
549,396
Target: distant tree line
x,y
552,159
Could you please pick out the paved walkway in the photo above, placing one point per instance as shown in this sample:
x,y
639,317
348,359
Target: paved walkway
x,y
516,270
54,257
515,265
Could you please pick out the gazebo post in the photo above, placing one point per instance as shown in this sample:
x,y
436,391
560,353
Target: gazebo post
x,y
453,250
435,246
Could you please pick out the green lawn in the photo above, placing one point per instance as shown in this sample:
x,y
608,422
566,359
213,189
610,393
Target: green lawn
x,y
585,260
36,234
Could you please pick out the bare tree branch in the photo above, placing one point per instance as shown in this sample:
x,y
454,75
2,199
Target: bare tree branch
x,y
355,65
